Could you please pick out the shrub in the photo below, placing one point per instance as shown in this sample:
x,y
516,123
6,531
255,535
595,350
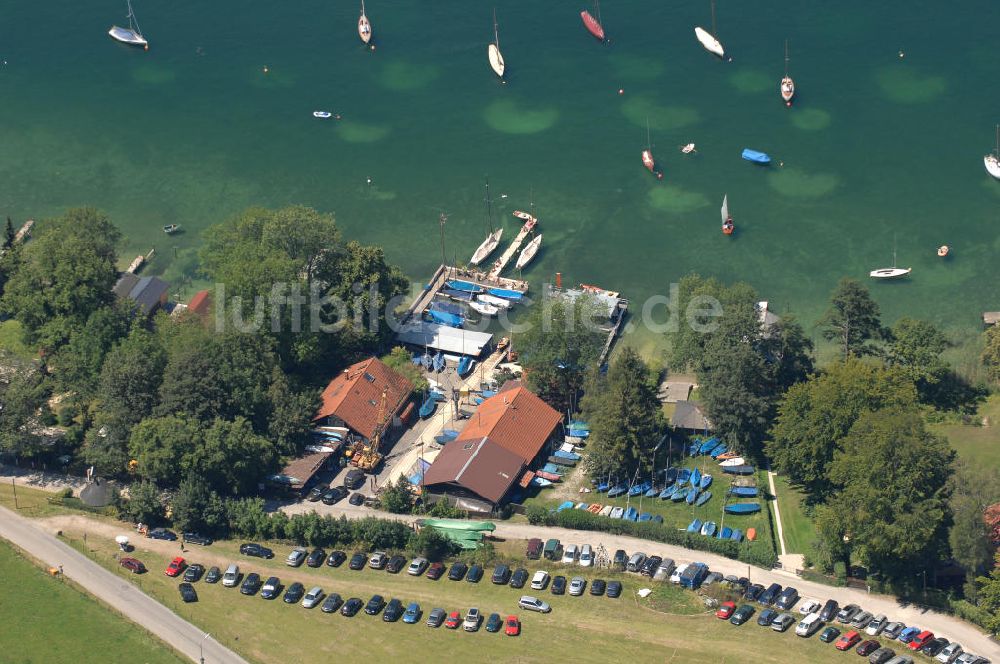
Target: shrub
x,y
65,493
537,514
840,570
431,544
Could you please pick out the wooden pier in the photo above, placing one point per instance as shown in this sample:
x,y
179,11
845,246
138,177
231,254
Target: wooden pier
x,y
513,249
446,273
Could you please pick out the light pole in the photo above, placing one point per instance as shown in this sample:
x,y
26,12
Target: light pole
x,y
201,644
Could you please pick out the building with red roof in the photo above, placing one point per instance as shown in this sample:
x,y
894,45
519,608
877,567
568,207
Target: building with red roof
x,y
353,398
516,419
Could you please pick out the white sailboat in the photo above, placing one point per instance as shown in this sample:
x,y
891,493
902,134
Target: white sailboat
x,y
528,252
487,247
497,302
727,219
131,35
364,25
484,308
992,161
787,84
708,39
890,272
496,60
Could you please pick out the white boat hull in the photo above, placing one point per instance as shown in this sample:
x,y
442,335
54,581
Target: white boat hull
x,y
496,60
127,36
487,247
711,44
890,273
992,165
364,29
528,252
484,308
498,302
736,461
787,89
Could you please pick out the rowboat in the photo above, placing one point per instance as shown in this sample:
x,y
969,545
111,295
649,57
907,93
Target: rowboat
x,y
592,24
170,229
552,477
992,161
364,26
484,308
323,115
727,219
756,156
131,35
606,510
595,508
742,508
528,252
787,84
703,498
751,534
647,156
496,59
498,302
487,247
738,470
617,513
737,535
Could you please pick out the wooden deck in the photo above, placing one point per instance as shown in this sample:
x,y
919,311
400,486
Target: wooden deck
x,y
445,273
511,251
991,318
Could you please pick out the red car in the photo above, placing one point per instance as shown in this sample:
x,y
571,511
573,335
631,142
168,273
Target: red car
x,y
132,565
512,626
175,567
454,620
923,638
848,641
435,571
725,610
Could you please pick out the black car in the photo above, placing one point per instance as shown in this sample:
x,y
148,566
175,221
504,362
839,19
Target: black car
x,y
742,584
355,478
213,576
768,596
316,558
620,559
334,495
651,565
787,598
614,589
742,614
351,607
374,605
868,647
315,494
271,588
393,611
519,578
766,617
331,603
558,586
194,572
358,561
197,538
829,611
336,559
475,573
161,534
501,575
357,499
753,592
494,623
935,646
597,587
294,593
395,564
256,550
188,593
457,572
251,584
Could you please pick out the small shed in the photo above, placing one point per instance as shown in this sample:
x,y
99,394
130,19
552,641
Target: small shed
x,y
688,415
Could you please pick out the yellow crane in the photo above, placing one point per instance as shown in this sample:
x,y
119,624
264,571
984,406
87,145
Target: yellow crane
x,y
369,456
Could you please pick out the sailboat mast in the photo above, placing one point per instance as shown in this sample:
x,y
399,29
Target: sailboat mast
x,y
597,8
649,142
786,57
714,34
489,206
496,33
998,141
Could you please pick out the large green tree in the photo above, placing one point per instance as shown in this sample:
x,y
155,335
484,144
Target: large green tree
x,y
974,488
853,320
77,366
991,353
161,446
130,379
22,398
231,458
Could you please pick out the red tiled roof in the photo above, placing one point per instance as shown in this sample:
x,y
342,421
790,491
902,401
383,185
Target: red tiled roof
x,y
200,302
515,419
355,395
481,466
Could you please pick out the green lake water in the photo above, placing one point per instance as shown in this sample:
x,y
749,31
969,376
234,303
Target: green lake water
x,y
878,150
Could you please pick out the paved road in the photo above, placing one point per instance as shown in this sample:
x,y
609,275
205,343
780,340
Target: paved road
x,y
122,595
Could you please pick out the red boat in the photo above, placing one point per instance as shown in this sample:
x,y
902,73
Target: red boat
x,y
592,24
552,477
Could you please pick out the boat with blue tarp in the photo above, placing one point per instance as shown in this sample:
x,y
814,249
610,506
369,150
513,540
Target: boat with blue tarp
x,y
464,286
756,156
506,293
428,407
703,498
742,508
694,526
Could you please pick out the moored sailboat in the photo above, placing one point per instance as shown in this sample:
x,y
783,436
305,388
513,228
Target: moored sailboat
x,y
364,26
131,35
647,156
708,39
787,84
727,219
592,24
992,161
496,59
890,272
493,237
528,252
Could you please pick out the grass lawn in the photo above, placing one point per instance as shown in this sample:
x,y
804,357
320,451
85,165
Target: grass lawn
x,y
47,620
10,340
584,629
977,445
30,502
796,526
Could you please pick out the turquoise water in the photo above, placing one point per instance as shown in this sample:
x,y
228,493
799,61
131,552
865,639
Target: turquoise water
x,y
877,150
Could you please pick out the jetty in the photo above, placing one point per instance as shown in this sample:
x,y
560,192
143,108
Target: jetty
x,y
610,303
24,231
139,261
446,273
513,249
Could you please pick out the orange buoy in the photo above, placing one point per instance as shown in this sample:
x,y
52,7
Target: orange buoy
x,y
943,250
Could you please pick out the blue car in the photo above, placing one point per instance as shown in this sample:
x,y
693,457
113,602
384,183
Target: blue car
x,y
412,613
909,634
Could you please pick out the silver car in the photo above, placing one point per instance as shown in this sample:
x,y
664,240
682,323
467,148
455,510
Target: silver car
x,y
876,626
949,654
296,557
782,622
577,585
313,597
892,630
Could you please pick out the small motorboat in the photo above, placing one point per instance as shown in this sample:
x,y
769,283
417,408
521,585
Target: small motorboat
x,y
170,229
688,149
728,227
592,24
484,308
364,26
322,114
526,216
487,247
540,482
708,529
528,252
943,250
756,156
703,498
708,40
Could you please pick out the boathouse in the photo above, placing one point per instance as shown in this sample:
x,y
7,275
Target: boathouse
x,y
453,341
147,294
474,475
353,399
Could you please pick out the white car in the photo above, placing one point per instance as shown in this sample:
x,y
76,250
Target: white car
x,y
312,598
417,567
586,556
809,606
472,618
949,654
676,576
876,626
540,580
570,554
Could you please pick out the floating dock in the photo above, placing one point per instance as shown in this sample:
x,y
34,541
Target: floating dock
x,y
446,273
513,249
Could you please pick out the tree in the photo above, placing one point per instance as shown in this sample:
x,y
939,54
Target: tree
x,y
161,447
105,445
130,378
23,397
991,353
192,384
396,498
143,503
231,458
989,595
291,414
737,396
974,489
788,354
78,363
64,275
194,508
892,494
431,544
9,235
814,416
853,319
398,360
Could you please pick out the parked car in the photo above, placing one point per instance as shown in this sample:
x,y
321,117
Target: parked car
x,y
313,597
766,617
725,610
331,603
540,580
742,614
357,499
336,559
454,620
316,558
753,592
680,569
577,586
903,659
949,653
586,556
271,588
375,605
175,567
570,554
876,625
551,550
866,648
194,572
334,495
501,575
519,578
412,613
354,478
597,587
358,561
294,593
558,585
809,625
436,617
829,634
636,562
809,606
395,564
161,534
782,622
256,550
512,626
530,603
296,557
351,607
133,565
458,571
712,577
848,640
251,584
620,559
935,646
893,629
435,571
787,598
881,655
197,538
847,613
614,589
378,560
862,619
969,658
315,494
908,634
534,550
393,611
232,576
650,566
494,623
188,593
768,596
417,566
213,575
664,570
472,618
921,640
830,610
475,574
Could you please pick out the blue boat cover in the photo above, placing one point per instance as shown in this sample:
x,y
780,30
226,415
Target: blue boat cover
x,y
680,494
428,407
466,286
756,156
506,294
693,449
448,307
653,490
708,529
703,498
579,433
742,508
708,445
645,516
706,481
695,478
568,505
631,514
694,526
445,318
684,476
670,476
692,496
638,488
552,468
617,491
737,535
579,424
721,449
669,491
726,533
567,455
744,491
465,365
738,470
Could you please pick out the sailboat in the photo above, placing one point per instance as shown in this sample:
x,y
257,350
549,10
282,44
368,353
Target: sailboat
x,y
727,219
528,252
131,35
890,272
992,161
496,60
592,24
647,156
708,40
364,26
493,239
787,84
484,308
